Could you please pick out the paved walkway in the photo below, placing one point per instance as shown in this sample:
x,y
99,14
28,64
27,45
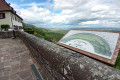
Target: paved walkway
x,y
15,60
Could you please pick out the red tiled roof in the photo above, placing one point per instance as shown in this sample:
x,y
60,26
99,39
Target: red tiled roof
x,y
4,6
27,27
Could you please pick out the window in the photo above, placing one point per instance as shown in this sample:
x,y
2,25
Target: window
x,y
15,18
18,19
2,15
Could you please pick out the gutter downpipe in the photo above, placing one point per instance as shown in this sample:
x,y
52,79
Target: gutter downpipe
x,y
12,20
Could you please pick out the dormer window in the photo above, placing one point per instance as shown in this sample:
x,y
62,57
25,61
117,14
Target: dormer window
x,y
2,15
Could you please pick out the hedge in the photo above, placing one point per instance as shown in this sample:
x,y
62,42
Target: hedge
x,y
30,32
5,26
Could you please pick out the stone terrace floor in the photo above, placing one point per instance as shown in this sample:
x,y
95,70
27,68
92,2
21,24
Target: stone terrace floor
x,y
15,61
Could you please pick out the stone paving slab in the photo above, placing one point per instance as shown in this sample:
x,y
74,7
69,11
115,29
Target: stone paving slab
x,y
15,60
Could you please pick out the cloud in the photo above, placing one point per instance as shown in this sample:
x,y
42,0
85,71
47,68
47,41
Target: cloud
x,y
84,12
91,22
34,14
100,7
72,13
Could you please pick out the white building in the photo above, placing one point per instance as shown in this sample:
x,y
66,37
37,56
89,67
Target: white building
x,y
8,16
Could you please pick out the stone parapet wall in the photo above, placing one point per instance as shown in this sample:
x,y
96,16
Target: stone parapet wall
x,y
8,34
58,63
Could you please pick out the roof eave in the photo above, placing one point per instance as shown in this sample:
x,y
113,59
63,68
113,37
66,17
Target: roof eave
x,y
12,12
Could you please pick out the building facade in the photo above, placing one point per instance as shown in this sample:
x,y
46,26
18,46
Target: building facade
x,y
9,16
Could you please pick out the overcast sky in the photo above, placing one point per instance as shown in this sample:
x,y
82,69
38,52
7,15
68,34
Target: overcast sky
x,y
69,13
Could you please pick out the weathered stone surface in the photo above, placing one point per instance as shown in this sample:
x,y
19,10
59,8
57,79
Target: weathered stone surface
x,y
14,60
4,78
8,34
69,64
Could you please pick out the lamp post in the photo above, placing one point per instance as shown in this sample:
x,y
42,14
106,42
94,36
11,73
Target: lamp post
x,y
14,34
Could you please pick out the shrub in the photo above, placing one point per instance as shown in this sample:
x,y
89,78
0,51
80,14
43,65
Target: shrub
x,y
35,33
48,37
30,32
5,26
28,29
117,64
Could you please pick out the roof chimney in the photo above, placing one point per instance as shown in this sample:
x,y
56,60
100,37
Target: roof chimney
x,y
9,4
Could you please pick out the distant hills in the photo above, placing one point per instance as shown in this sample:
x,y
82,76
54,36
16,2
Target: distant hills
x,y
65,30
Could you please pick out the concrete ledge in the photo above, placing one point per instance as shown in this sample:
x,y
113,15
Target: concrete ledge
x,y
57,62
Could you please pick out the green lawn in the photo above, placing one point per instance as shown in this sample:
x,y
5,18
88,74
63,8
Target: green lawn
x,y
117,64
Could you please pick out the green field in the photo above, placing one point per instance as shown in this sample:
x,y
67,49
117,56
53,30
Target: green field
x,y
61,31
117,64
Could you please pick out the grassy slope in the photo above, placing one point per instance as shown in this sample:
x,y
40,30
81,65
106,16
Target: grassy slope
x,y
61,31
117,64
48,34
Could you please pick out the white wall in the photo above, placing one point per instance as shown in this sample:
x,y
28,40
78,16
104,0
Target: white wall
x,y
16,22
7,19
10,19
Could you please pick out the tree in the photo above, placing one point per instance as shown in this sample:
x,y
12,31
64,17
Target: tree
x,y
24,25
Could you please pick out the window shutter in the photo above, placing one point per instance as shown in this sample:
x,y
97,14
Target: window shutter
x,y
3,15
